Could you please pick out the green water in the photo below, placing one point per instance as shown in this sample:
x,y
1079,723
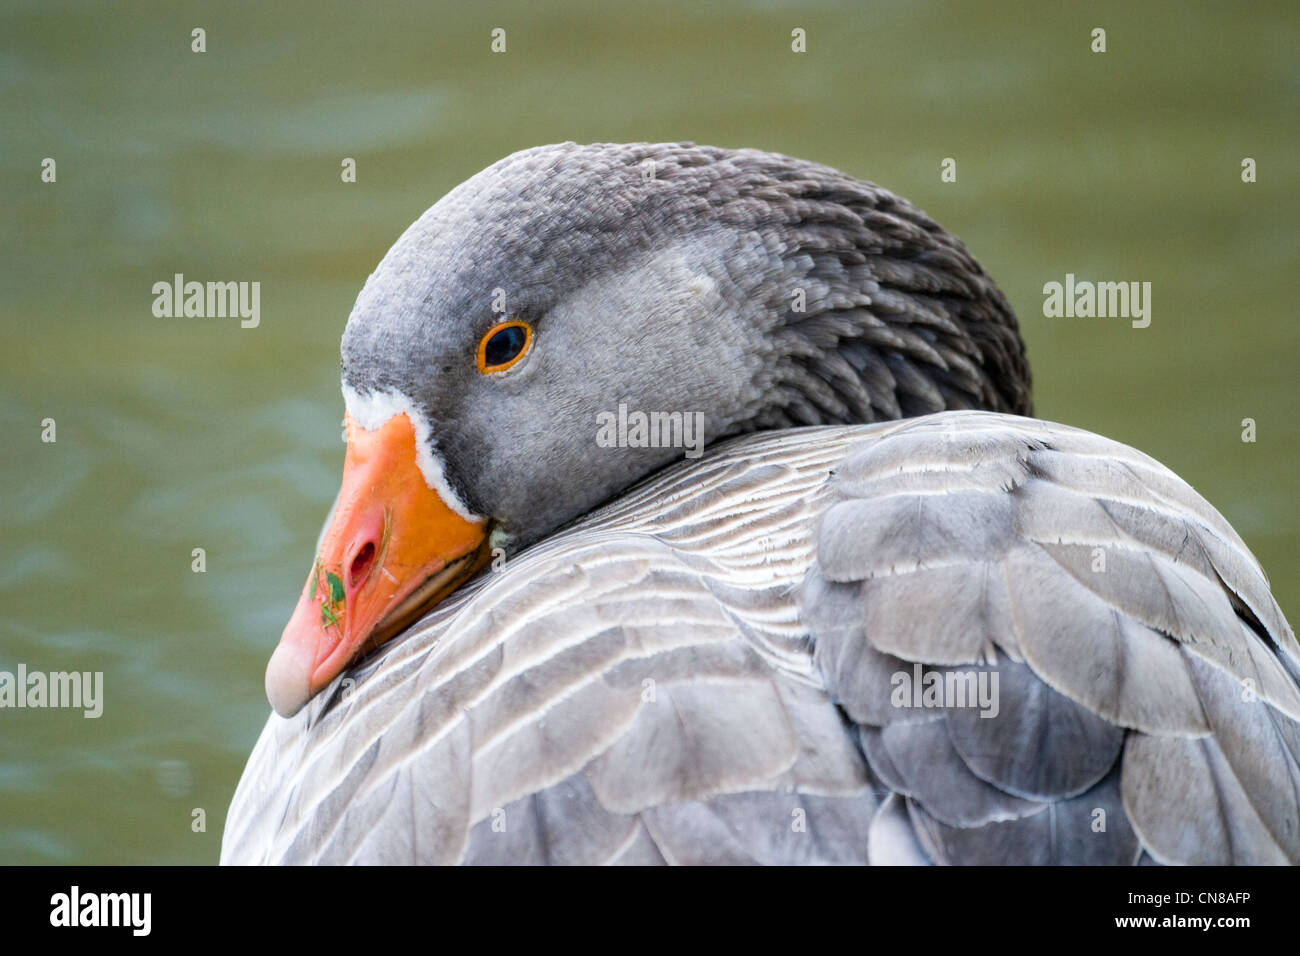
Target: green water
x,y
176,434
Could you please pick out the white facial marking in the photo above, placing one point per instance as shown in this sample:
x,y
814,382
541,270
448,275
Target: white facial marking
x,y
371,410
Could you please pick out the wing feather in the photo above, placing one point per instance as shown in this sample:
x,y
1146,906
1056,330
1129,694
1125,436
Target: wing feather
x,y
1146,675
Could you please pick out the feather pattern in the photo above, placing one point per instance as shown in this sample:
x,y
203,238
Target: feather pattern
x,y
710,669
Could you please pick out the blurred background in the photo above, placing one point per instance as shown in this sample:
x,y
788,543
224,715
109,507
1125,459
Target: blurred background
x,y
176,434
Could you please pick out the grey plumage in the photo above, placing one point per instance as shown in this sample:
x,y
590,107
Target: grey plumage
x,y
767,734
729,662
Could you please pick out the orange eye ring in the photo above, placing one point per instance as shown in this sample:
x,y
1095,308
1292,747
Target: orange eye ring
x,y
504,346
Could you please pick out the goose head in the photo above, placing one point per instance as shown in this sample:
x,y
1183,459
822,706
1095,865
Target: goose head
x,y
507,325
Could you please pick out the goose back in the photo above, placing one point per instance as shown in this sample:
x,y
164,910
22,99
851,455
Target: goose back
x,y
708,670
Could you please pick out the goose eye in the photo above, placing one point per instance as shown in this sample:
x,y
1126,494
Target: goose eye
x,y
504,345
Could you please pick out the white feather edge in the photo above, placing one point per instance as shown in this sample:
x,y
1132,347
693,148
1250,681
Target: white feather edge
x,y
371,410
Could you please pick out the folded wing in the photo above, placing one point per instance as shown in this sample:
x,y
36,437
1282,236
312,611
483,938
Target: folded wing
x,y
1146,680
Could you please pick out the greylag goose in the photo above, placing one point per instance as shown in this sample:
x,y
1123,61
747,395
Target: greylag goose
x,y
885,617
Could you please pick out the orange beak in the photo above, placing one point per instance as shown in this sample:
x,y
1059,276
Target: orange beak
x,y
393,549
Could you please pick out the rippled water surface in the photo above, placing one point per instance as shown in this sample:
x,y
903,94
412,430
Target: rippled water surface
x,y
177,434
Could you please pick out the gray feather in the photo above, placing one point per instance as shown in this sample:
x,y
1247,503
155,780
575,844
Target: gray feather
x,y
1090,829
526,692
1040,745
934,775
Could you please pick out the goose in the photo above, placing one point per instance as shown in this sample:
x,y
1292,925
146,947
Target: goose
x,y
886,617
